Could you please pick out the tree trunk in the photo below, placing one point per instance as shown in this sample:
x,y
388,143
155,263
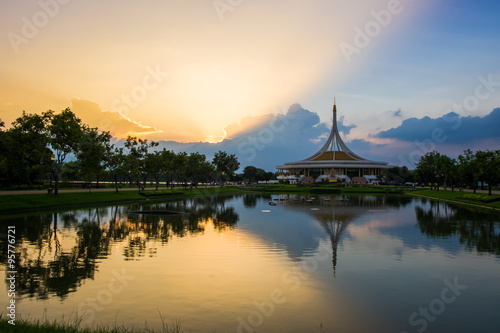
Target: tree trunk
x,y
116,182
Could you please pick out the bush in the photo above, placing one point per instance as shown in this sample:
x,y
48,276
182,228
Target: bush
x,y
480,197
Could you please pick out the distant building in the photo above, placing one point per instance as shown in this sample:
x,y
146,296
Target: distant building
x,y
333,162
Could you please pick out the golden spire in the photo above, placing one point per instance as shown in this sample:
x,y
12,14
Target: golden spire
x,y
334,106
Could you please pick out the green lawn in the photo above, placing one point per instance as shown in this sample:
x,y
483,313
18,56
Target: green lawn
x,y
23,202
481,199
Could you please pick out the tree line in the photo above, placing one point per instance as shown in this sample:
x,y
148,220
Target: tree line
x,y
468,170
38,147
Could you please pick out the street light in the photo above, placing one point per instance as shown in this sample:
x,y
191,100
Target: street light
x,y
52,159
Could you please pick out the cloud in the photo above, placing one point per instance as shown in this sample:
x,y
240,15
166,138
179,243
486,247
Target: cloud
x,y
270,140
397,113
119,125
450,128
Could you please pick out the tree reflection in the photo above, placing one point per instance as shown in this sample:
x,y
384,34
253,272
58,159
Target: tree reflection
x,y
56,252
478,230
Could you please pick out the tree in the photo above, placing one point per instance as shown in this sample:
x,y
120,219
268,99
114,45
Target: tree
x,y
155,165
137,150
167,158
65,132
198,168
490,166
225,164
71,171
426,169
250,173
468,168
179,165
445,167
115,161
268,176
29,155
91,153
399,174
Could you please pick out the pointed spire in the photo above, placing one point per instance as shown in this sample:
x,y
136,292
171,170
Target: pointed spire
x,y
334,106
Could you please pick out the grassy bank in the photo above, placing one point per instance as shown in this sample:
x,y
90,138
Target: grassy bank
x,y
26,202
480,199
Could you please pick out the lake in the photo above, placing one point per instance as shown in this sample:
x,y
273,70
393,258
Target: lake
x,y
238,264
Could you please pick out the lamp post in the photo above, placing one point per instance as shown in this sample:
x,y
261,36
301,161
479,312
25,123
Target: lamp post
x,y
52,158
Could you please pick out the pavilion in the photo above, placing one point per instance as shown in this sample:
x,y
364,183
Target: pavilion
x,y
333,162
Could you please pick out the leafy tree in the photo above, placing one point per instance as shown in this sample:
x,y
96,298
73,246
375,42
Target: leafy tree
x,y
91,153
225,164
198,168
269,175
115,161
180,167
71,171
445,167
468,168
137,150
399,174
30,157
490,166
426,170
65,132
250,173
155,165
167,158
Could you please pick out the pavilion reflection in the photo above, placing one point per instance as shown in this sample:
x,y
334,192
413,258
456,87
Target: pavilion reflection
x,y
335,213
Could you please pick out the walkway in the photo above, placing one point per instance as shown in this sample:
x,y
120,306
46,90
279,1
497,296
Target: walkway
x,y
79,190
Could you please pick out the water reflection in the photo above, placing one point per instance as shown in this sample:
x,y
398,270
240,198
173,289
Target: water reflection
x,y
335,213
55,252
477,229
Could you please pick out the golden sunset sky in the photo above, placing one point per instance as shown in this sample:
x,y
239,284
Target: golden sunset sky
x,y
185,70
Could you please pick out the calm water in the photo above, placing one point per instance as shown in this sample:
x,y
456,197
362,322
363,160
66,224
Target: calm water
x,y
238,264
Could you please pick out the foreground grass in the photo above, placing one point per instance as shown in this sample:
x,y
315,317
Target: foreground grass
x,y
24,326
480,199
24,202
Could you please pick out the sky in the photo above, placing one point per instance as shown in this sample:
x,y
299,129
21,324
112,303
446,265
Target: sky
x,y
258,78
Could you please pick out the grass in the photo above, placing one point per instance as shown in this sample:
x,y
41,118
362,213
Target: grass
x,y
37,326
46,201
27,202
46,326
480,199
30,202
